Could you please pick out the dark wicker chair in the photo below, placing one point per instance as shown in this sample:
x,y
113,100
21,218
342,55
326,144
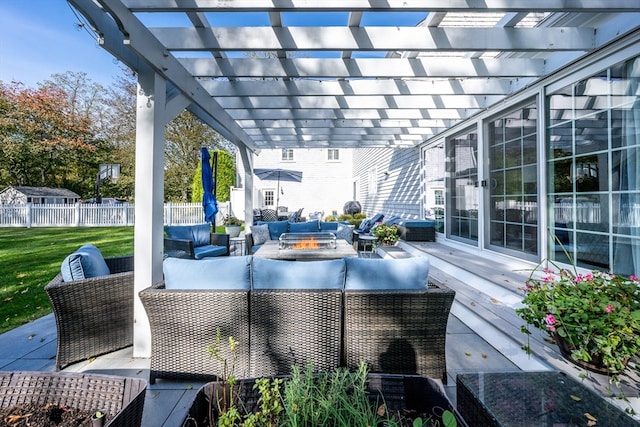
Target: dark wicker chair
x,y
184,322
122,399
268,215
398,332
182,248
292,327
93,316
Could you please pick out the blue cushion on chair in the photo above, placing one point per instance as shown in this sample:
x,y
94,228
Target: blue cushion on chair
x,y
182,232
387,274
273,274
84,263
209,251
276,228
304,227
224,273
328,226
201,234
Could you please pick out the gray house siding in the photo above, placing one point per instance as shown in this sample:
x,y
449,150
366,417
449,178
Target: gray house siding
x,y
397,193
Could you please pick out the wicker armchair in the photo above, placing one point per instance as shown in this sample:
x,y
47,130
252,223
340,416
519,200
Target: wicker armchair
x,y
183,248
185,322
93,316
293,326
398,332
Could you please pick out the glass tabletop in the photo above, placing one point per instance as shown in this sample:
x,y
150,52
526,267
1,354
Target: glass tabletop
x,y
519,399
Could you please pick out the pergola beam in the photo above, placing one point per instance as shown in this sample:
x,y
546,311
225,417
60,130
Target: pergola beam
x,y
601,6
425,39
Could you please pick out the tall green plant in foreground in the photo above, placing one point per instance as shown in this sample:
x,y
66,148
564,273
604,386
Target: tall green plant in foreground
x,y
31,257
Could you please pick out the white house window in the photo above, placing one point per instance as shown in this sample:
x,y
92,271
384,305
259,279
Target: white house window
x,y
269,197
438,195
333,154
287,154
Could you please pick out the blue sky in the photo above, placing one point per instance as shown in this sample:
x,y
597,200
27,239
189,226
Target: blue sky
x,y
38,38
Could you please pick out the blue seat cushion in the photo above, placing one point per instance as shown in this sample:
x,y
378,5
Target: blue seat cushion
x,y
255,248
328,226
304,227
274,274
86,262
387,274
224,273
418,223
209,251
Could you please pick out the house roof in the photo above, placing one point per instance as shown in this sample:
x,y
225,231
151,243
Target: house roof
x,y
350,73
44,192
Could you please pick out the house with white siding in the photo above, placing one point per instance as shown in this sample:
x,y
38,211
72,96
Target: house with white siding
x,y
19,195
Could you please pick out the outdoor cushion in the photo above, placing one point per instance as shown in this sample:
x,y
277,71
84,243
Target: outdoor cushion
x,y
304,227
387,274
274,274
199,234
260,234
209,251
418,223
84,263
276,228
222,273
328,226
344,232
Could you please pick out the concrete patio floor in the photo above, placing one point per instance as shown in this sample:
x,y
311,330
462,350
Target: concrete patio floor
x,y
477,338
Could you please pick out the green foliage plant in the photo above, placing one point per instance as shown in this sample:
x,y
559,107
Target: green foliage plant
x,y
387,234
231,220
597,313
330,218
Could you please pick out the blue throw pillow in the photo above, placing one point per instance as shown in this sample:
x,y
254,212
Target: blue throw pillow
x,y
273,274
344,232
276,228
387,274
304,227
84,263
223,273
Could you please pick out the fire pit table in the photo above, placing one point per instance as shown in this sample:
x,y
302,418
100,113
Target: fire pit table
x,y
306,247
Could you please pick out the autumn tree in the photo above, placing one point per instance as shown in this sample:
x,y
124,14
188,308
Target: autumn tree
x,y
43,141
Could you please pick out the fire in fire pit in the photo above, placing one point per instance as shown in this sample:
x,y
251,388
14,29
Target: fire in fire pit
x,y
310,243
307,241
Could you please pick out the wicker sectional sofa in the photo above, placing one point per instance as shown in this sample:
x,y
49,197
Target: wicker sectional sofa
x,y
337,313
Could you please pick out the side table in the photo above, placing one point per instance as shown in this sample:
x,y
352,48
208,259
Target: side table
x,y
365,240
550,398
237,246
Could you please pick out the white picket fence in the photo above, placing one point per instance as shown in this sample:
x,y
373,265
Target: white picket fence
x,y
89,215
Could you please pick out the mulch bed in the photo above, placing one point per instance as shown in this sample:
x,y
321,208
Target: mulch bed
x,y
49,415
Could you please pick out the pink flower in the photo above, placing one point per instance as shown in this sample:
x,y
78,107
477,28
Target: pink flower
x,y
579,278
550,319
588,277
634,278
609,308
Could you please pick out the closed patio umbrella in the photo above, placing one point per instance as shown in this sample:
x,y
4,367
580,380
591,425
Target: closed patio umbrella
x,y
279,175
209,202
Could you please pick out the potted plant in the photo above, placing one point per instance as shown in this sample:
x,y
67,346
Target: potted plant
x,y
232,225
307,397
387,234
593,317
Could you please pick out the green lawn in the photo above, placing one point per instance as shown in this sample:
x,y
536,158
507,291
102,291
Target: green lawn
x,y
31,257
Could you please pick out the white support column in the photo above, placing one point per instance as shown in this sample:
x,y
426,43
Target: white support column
x,y
247,163
149,193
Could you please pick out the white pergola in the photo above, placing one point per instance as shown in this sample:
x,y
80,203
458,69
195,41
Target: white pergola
x,y
329,74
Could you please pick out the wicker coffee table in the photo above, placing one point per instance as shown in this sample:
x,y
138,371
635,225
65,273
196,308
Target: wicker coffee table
x,y
551,398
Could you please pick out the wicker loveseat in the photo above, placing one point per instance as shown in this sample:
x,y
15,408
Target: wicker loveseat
x,y
338,313
93,316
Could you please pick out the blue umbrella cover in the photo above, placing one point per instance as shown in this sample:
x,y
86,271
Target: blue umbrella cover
x,y
209,202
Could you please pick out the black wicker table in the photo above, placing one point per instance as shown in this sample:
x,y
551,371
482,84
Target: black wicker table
x,y
522,399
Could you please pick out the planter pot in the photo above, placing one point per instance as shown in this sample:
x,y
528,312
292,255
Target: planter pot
x,y
400,392
121,399
232,230
595,365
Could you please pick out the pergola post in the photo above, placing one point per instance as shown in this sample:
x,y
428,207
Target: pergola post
x,y
149,191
